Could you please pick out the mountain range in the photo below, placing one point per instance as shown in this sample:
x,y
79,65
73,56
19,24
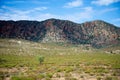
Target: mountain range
x,y
95,33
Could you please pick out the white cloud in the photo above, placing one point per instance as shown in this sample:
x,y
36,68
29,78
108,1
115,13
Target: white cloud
x,y
85,14
44,16
75,3
88,9
24,12
107,10
40,8
14,14
104,2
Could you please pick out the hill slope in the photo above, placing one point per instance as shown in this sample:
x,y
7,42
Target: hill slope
x,y
95,33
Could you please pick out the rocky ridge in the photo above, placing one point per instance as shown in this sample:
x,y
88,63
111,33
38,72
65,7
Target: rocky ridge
x,y
95,33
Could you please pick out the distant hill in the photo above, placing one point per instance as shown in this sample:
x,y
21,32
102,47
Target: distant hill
x,y
96,33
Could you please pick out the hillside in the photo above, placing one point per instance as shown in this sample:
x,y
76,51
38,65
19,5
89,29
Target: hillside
x,y
95,33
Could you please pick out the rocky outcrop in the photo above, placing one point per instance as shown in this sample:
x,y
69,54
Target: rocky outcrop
x,y
96,33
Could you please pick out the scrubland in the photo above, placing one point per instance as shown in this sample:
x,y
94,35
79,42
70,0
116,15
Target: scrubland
x,y
19,60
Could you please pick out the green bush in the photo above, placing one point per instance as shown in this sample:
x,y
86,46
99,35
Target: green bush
x,y
59,70
41,59
68,69
49,75
108,78
41,76
99,78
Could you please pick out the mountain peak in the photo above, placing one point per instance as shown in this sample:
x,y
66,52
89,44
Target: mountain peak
x,y
52,19
98,21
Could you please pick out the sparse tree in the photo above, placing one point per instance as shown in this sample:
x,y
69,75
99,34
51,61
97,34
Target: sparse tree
x,y
41,59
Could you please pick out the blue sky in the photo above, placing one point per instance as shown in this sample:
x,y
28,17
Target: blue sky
x,y
78,11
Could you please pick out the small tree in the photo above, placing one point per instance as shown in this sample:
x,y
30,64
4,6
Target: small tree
x,y
41,59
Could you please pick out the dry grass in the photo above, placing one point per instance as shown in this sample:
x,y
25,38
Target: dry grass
x,y
19,60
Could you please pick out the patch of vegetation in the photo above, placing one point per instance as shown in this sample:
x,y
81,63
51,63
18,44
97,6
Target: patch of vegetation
x,y
25,59
108,78
41,76
70,78
22,78
68,69
49,75
99,78
41,59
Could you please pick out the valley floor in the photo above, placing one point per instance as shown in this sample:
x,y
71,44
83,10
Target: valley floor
x,y
20,60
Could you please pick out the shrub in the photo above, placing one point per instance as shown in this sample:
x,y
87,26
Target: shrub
x,y
99,78
41,76
49,75
108,78
41,59
59,70
68,69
